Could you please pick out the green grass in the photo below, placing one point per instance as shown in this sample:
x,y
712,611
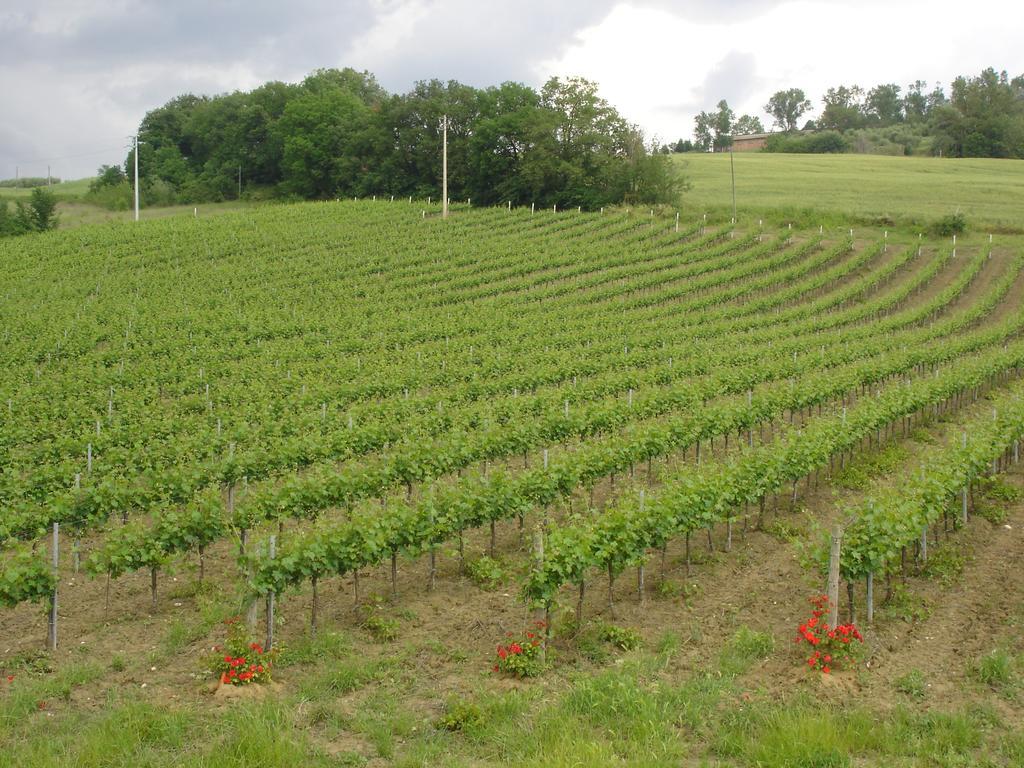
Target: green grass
x,y
633,714
76,213
834,190
858,475
66,190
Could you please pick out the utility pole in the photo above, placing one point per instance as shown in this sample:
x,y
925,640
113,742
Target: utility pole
x,y
136,137
49,183
732,170
444,170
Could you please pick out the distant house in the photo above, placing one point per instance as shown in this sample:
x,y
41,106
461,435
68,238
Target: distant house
x,y
751,142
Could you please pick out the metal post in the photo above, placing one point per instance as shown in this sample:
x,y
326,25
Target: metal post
x,y
732,170
444,170
136,177
51,640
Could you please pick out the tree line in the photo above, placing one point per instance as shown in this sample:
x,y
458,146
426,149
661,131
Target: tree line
x,y
339,133
981,116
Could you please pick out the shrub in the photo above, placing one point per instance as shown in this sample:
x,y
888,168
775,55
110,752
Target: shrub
x,y
822,142
949,225
381,628
834,647
522,656
623,638
239,661
460,715
486,572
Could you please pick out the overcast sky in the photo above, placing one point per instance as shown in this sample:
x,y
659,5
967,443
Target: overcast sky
x,y
76,76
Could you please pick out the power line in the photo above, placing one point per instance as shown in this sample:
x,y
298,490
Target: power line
x,y
69,157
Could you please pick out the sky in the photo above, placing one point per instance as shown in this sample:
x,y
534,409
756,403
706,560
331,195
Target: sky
x,y
77,76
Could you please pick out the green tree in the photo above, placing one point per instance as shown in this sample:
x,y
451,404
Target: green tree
x,y
883,105
108,176
319,133
724,119
704,131
984,117
746,125
915,102
787,107
40,214
843,109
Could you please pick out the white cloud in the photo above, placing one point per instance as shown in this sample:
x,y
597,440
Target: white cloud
x,y
656,65
79,75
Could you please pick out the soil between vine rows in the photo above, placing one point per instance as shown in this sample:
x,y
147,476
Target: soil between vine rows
x,y
760,584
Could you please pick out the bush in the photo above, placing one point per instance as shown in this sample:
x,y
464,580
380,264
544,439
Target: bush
x,y
522,656
623,638
113,197
460,715
947,226
10,223
486,572
834,647
822,142
41,212
239,661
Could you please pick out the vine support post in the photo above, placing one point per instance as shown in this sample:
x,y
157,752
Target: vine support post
x,y
579,604
269,644
314,608
871,597
152,586
394,574
833,575
51,634
433,567
76,556
538,567
611,584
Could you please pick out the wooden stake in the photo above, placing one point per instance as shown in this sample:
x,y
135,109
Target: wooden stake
x,y
833,576
270,602
51,635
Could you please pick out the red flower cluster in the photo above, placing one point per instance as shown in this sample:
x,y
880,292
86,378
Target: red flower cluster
x,y
834,642
243,662
521,656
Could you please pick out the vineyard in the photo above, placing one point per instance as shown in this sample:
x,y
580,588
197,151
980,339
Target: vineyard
x,y
373,434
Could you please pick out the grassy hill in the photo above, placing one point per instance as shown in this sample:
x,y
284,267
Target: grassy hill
x,y
870,189
66,190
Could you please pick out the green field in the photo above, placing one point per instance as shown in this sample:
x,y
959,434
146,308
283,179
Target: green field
x,y
868,189
634,429
66,190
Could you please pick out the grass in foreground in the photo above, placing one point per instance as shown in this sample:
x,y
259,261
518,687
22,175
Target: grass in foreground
x,y
341,709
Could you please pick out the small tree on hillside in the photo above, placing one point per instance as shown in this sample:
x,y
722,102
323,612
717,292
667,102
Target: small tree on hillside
x,y
41,212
